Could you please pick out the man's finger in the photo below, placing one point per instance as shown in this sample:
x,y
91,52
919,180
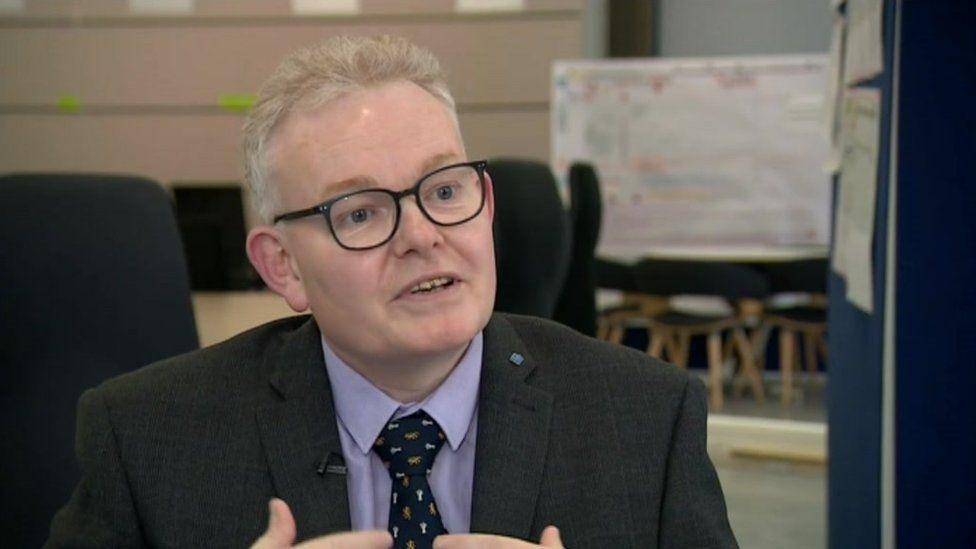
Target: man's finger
x,y
550,537
351,540
281,527
479,541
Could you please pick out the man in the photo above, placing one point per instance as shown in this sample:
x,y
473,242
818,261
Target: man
x,y
402,411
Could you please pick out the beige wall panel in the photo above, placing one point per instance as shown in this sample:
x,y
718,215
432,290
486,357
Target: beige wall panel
x,y
71,8
242,7
165,148
522,134
202,148
406,6
489,60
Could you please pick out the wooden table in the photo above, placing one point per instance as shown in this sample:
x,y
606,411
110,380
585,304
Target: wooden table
x,y
221,315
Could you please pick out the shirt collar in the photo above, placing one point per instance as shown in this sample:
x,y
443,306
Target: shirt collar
x,y
364,410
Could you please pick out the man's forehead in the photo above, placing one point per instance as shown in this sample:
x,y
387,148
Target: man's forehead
x,y
383,137
392,111
365,180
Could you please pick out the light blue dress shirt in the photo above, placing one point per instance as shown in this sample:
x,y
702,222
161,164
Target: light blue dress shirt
x,y
362,410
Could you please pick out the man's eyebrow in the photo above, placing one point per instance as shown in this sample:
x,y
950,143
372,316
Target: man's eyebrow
x,y
437,161
348,185
366,182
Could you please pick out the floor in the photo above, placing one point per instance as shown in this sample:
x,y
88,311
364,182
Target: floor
x,y
809,400
776,503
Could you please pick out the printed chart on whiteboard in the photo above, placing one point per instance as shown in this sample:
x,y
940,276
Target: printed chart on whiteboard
x,y
699,152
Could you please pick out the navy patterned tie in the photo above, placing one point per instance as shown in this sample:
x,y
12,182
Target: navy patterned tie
x,y
408,447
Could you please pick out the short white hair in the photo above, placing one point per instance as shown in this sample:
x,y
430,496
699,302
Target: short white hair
x,y
313,76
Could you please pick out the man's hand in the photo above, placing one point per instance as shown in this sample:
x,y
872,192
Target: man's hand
x,y
550,538
281,533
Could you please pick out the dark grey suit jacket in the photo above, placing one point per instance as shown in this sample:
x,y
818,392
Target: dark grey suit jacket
x,y
599,440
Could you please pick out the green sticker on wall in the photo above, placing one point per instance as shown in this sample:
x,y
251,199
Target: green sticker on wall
x,y
236,102
69,104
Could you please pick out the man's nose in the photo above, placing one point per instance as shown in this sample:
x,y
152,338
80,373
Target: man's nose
x,y
416,232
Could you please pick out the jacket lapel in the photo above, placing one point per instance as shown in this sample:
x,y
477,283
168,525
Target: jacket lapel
x,y
513,437
299,433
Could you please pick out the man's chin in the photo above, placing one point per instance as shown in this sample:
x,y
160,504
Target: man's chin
x,y
438,337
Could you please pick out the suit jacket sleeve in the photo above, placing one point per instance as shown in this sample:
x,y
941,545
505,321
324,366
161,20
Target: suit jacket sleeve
x,y
100,513
693,512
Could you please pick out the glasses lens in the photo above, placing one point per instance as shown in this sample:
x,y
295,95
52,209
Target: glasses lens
x,y
452,196
363,219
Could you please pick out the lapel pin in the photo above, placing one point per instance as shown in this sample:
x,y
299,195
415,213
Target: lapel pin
x,y
516,359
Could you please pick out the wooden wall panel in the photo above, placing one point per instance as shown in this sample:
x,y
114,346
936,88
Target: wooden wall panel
x,y
491,61
522,134
163,147
148,86
199,149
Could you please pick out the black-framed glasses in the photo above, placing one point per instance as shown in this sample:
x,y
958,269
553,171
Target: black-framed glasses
x,y
369,218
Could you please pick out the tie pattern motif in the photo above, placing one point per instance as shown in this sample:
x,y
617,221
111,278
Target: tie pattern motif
x,y
408,447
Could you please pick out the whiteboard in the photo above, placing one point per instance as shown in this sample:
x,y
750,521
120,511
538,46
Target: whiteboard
x,y
698,153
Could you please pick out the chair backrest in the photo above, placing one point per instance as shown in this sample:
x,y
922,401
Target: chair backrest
x,y
615,275
576,306
803,275
729,280
92,284
532,238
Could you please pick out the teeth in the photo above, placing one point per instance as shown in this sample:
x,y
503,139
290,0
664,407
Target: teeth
x,y
429,285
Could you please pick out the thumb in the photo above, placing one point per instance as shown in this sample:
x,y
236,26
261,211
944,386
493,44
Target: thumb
x,y
550,537
281,527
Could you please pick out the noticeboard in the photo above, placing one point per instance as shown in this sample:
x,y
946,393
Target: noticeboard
x,y
705,152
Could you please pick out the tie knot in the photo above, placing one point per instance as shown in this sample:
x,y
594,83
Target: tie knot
x,y
409,445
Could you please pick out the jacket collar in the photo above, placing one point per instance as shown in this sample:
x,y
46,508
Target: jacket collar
x,y
513,435
300,436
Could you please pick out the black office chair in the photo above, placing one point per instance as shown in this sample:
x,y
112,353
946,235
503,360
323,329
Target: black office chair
x,y
576,306
671,329
806,316
93,284
532,238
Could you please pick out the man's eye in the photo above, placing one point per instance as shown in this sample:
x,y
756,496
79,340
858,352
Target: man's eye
x,y
444,192
361,215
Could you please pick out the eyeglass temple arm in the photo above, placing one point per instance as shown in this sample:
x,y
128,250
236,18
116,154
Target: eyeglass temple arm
x,y
314,210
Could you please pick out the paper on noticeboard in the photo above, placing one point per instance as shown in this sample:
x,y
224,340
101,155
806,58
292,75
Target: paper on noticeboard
x,y
161,7
325,7
833,96
857,191
862,51
468,6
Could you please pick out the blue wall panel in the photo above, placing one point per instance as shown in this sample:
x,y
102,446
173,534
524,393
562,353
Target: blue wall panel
x,y
935,423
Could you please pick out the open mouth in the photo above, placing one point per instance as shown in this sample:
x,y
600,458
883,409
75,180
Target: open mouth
x,y
433,285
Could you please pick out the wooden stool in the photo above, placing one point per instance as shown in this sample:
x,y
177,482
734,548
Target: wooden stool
x,y
811,324
671,335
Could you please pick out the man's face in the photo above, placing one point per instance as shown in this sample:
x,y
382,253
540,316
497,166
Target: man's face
x,y
386,137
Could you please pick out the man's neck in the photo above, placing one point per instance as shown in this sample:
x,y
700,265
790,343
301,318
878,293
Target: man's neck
x,y
406,379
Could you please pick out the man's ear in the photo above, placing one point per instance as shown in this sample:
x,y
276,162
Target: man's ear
x,y
489,197
267,252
